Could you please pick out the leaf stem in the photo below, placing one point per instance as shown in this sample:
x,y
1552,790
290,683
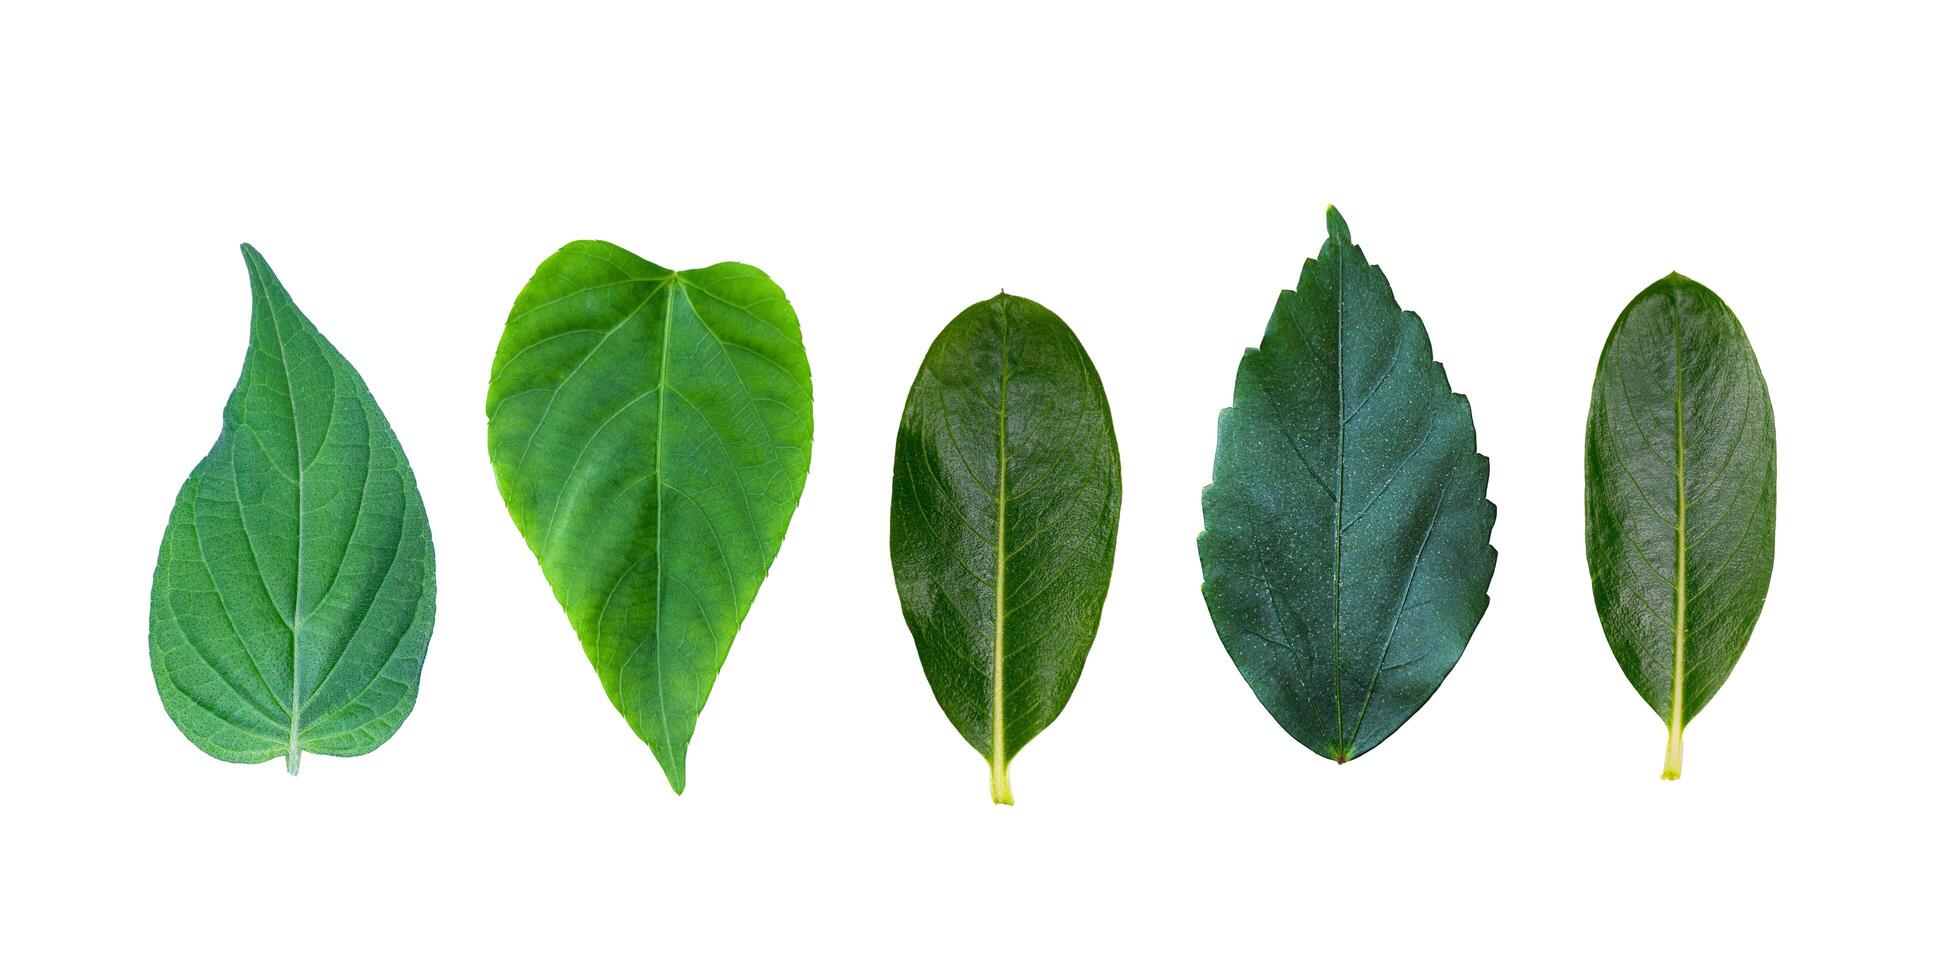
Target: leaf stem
x,y
1672,770
1002,794
292,761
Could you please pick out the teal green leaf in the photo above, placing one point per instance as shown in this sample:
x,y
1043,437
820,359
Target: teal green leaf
x,y
1680,497
650,431
1005,492
1346,548
296,587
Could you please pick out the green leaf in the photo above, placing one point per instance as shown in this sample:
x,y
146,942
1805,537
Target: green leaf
x,y
1680,497
1346,548
1005,492
296,586
650,431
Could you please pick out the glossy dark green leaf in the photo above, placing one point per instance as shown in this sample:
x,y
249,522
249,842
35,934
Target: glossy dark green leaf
x,y
1005,492
1680,497
296,587
1346,548
650,431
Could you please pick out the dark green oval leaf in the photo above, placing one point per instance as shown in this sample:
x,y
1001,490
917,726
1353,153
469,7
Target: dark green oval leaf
x,y
1005,492
650,431
1346,548
1680,497
296,587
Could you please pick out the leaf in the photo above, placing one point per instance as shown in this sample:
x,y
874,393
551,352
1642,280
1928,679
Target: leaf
x,y
1346,548
650,431
1680,497
296,587
1005,492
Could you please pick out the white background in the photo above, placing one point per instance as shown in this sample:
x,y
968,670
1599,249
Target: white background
x,y
1155,176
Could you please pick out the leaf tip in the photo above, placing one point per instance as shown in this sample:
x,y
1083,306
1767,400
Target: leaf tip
x,y
1337,228
1677,281
675,769
253,260
257,268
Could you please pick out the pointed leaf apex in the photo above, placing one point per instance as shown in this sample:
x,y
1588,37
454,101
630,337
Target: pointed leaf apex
x,y
253,260
676,774
1676,284
1337,228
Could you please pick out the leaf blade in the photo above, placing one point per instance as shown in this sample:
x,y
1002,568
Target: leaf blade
x,y
650,430
1003,521
1346,549
1680,497
276,626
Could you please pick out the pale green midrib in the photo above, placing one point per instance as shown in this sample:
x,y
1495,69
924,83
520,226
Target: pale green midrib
x,y
659,513
299,535
1679,679
999,692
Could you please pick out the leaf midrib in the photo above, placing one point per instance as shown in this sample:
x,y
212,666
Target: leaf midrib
x,y
1343,752
299,527
1679,679
1340,479
660,510
999,699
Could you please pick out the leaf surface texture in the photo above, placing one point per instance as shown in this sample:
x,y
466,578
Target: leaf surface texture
x,y
1006,488
295,590
1346,547
1680,497
650,431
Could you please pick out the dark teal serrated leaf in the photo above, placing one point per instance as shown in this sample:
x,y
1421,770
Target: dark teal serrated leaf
x,y
1346,548
650,431
295,591
1680,497
1005,492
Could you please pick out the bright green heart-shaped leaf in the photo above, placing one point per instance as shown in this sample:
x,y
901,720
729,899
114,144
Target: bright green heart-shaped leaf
x,y
296,587
1346,548
650,431
1005,492
1680,497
